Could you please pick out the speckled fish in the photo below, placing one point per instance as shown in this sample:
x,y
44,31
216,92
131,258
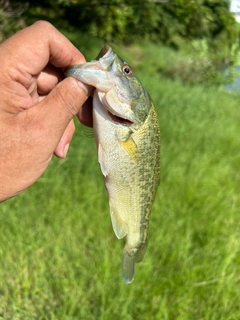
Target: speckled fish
x,y
128,140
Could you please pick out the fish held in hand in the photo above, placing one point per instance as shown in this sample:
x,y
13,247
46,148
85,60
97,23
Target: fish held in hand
x,y
128,140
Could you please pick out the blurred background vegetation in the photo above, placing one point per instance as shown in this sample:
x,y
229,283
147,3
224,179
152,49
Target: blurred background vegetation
x,y
204,30
59,257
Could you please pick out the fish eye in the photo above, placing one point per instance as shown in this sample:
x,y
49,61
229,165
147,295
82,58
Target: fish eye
x,y
127,70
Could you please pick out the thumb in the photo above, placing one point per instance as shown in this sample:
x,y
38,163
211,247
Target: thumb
x,y
68,96
57,109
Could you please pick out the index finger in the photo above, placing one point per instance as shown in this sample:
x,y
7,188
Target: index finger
x,y
32,48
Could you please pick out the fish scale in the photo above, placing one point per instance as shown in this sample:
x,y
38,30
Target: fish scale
x,y
128,141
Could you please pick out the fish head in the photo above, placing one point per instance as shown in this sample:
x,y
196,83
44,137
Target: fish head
x,y
117,87
126,97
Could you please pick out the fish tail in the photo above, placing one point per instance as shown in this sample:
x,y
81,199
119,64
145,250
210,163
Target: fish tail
x,y
130,256
128,261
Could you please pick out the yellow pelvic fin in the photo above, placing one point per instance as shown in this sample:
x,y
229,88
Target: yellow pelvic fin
x,y
130,146
119,225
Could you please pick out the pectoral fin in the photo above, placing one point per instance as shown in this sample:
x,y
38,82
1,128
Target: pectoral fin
x,y
131,148
119,225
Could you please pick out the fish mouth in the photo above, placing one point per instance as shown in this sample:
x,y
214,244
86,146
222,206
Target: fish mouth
x,y
119,120
110,113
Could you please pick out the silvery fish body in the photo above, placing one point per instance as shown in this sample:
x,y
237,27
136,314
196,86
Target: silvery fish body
x,y
128,140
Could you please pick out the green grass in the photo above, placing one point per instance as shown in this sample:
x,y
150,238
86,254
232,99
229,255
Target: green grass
x,y
59,257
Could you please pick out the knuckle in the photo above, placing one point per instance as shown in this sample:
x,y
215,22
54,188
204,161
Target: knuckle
x,y
44,25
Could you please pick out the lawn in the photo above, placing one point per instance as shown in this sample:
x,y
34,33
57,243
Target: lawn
x,y
59,257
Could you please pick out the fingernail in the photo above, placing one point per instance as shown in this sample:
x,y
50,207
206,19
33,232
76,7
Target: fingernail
x,y
87,88
65,151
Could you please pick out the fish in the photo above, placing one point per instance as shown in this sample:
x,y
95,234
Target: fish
x,y
127,134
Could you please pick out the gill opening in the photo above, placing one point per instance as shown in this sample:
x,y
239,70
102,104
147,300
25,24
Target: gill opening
x,y
120,120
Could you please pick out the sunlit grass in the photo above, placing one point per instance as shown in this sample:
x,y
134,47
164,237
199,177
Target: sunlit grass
x,y
60,258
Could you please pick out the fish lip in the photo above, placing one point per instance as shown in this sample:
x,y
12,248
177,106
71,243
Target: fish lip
x,y
105,51
102,62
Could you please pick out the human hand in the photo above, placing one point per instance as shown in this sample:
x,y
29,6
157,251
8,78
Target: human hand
x,y
36,104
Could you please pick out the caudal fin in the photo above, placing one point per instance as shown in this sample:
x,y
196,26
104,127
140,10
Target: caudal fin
x,y
128,261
